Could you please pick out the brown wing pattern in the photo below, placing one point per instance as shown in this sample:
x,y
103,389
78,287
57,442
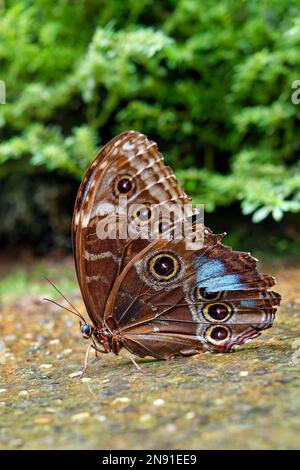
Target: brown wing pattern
x,y
160,297
132,158
215,301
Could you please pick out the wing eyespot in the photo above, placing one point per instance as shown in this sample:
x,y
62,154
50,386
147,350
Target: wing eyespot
x,y
123,185
217,312
218,334
143,214
201,293
164,266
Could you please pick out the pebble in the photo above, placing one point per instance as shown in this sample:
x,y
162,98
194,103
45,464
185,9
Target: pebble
x,y
244,373
50,410
23,393
75,374
120,400
170,428
43,420
17,442
86,379
80,416
10,338
54,341
3,390
260,371
66,352
101,418
285,379
28,336
144,418
159,402
46,366
219,401
190,415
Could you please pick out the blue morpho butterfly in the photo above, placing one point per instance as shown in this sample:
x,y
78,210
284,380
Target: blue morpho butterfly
x,y
156,297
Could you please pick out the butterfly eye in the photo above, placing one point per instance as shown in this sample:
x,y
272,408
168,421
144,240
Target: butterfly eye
x,y
217,334
86,330
203,294
217,312
164,266
123,185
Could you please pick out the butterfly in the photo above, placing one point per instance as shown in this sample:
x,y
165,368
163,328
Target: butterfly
x,y
154,296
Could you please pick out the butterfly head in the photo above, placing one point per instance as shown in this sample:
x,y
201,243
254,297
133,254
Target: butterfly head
x,y
86,330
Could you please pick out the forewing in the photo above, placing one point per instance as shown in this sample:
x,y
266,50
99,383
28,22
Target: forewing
x,y
132,158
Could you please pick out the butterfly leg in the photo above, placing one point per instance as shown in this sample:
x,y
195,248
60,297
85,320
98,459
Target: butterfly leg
x,y
86,360
97,350
95,347
136,364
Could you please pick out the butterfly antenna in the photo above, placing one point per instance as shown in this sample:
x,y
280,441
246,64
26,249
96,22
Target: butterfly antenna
x,y
65,308
75,311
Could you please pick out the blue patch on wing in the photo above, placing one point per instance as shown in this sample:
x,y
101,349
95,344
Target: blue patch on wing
x,y
248,303
211,275
227,282
207,269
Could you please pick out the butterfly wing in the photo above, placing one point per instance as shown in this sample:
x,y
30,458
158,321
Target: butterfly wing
x,y
129,165
212,299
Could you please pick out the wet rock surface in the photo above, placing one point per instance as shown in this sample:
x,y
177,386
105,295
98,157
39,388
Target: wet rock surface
x,y
245,400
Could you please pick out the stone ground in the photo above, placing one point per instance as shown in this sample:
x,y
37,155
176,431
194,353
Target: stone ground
x,y
246,400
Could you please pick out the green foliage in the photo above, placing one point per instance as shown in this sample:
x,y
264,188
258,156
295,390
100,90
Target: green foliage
x,y
210,81
27,278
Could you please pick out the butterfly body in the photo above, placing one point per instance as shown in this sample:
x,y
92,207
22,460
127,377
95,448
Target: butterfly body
x,y
151,294
111,342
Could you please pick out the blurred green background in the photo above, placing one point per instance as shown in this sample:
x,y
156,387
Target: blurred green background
x,y
210,81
